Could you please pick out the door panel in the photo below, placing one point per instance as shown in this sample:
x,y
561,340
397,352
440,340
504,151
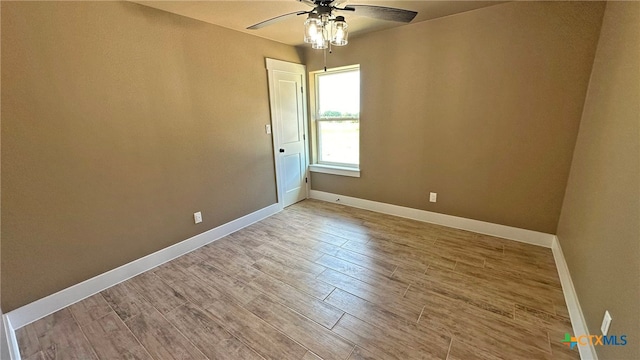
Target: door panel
x,y
286,83
289,98
288,103
294,177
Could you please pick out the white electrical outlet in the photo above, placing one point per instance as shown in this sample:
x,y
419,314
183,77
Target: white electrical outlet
x,y
433,197
606,322
197,217
267,129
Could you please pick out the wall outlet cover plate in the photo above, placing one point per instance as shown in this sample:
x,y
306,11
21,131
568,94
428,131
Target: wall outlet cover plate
x,y
197,217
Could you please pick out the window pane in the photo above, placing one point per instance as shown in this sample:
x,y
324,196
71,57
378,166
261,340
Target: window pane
x,y
339,94
339,142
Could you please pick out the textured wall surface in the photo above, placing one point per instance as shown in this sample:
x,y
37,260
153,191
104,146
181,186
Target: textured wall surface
x,y
481,107
118,123
599,228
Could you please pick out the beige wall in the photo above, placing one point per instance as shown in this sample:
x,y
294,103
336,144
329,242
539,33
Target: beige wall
x,y
481,107
118,123
4,344
599,228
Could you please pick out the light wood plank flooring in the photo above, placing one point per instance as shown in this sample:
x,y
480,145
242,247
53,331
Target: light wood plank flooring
x,y
324,281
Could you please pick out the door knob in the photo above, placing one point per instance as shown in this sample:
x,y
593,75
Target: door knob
x,y
281,150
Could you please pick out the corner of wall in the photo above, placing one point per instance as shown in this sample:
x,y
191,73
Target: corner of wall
x,y
598,223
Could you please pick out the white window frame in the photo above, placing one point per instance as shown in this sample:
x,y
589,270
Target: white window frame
x,y
326,167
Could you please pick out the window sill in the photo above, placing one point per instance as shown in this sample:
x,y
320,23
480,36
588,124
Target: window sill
x,y
334,170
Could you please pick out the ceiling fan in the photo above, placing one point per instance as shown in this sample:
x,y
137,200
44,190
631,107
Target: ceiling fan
x,y
323,27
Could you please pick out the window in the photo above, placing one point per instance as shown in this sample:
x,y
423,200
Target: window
x,y
337,117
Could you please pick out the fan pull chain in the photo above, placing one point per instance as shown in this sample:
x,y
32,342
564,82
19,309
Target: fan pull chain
x,y
324,51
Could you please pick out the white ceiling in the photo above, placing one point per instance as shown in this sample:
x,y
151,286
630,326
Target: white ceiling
x,y
238,15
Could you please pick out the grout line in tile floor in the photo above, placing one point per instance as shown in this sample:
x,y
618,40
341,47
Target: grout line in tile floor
x,y
419,316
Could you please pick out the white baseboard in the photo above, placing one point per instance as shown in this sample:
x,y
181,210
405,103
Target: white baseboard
x,y
9,342
507,232
52,303
573,305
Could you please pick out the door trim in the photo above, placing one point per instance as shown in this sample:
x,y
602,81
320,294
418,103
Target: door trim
x,y
274,66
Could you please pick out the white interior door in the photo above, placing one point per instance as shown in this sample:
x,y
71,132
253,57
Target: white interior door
x,y
288,118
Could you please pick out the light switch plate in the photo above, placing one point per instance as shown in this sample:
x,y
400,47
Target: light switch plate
x,y
267,129
433,197
197,217
606,322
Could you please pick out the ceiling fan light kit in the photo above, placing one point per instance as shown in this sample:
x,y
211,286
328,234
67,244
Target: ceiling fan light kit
x,y
322,27
318,31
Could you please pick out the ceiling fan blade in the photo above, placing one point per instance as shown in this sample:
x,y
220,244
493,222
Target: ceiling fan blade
x,y
346,8
383,13
274,20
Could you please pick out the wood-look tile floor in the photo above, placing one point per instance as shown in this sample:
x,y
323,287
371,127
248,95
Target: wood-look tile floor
x,y
324,281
